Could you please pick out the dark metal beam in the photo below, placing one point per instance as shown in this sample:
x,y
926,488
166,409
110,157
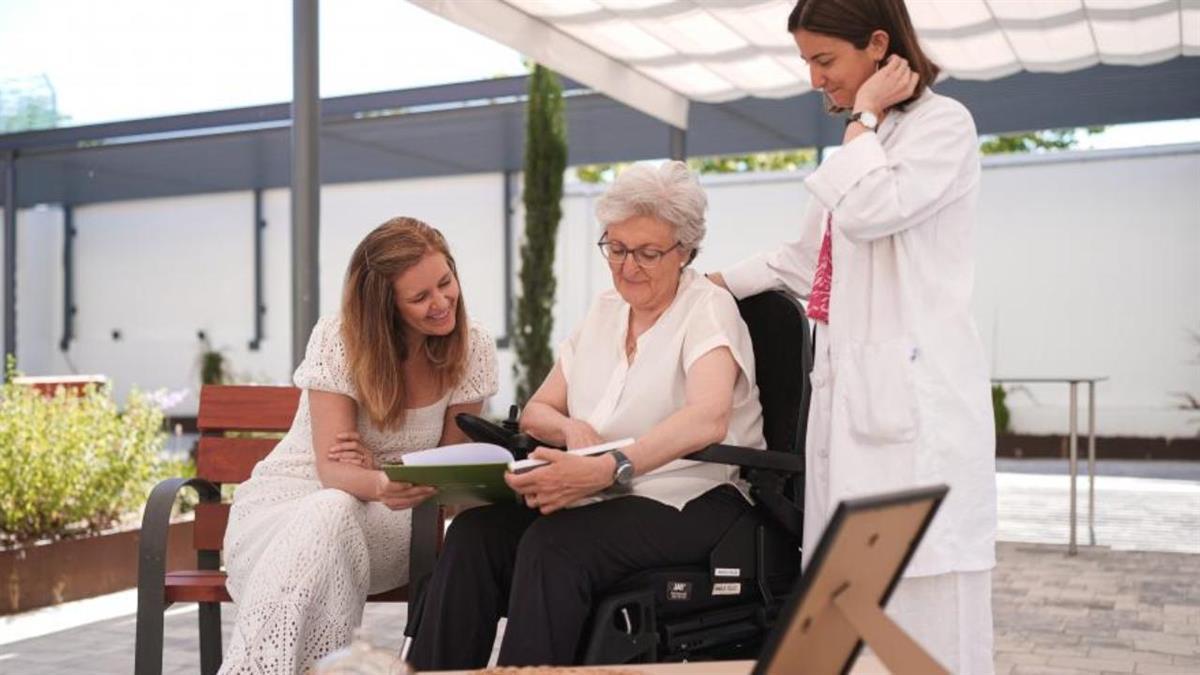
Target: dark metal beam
x,y
68,256
337,108
260,304
10,256
486,135
306,176
678,145
510,197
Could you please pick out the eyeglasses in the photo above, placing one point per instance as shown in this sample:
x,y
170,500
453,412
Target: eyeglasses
x,y
645,257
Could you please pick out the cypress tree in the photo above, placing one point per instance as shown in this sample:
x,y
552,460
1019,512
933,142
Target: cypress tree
x,y
545,162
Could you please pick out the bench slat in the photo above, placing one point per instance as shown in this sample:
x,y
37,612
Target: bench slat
x,y
246,408
230,460
196,586
209,586
209,532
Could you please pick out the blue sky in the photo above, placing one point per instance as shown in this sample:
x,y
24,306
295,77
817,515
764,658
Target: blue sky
x,y
129,59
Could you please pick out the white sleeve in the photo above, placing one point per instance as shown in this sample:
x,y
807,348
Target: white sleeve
x,y
715,323
325,367
875,193
790,267
480,379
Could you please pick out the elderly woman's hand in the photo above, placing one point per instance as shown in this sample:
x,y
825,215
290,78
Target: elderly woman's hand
x,y
566,479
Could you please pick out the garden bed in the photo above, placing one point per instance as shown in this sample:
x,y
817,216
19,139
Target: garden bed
x,y
53,572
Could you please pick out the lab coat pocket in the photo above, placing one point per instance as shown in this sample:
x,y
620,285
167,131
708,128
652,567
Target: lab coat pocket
x,y
881,396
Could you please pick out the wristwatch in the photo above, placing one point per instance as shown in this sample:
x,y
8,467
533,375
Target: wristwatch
x,y
623,471
865,118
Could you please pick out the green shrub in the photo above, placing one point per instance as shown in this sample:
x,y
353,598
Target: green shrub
x,y
73,464
1000,410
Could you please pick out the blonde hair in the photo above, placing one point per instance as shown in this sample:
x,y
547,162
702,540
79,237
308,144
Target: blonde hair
x,y
373,330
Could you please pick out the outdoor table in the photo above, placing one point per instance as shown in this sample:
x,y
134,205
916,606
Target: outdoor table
x,y
1074,442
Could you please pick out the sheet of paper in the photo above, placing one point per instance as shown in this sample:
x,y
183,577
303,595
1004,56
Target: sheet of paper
x,y
462,453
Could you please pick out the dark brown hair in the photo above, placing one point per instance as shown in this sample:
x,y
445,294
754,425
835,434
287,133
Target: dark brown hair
x,y
855,20
373,330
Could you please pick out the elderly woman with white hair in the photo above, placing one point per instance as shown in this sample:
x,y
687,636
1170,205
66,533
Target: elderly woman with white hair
x,y
662,357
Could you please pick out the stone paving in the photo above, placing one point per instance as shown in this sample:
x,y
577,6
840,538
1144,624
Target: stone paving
x,y
1106,610
1102,611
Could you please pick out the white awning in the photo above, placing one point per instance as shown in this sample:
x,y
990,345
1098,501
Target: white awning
x,y
657,55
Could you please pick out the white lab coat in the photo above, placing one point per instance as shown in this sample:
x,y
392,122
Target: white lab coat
x,y
900,384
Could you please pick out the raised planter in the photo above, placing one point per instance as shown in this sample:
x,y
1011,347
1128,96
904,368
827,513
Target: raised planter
x,y
1107,447
49,573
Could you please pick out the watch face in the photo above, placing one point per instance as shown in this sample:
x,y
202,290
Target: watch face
x,y
623,474
868,120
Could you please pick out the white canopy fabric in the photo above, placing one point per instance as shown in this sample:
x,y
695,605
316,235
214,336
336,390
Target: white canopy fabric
x,y
658,55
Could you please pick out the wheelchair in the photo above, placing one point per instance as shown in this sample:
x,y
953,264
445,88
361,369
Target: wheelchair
x,y
723,609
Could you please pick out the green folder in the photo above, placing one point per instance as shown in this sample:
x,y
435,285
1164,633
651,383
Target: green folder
x,y
457,483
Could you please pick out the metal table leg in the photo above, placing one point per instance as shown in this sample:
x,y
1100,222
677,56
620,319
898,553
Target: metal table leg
x,y
1074,465
1091,462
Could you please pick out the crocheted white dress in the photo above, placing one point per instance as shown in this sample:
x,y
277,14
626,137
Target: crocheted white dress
x,y
301,558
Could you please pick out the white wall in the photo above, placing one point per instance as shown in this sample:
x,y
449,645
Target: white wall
x,y
1087,263
159,270
1091,265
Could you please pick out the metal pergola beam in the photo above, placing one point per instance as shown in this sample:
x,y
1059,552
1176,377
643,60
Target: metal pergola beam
x,y
678,144
306,176
469,132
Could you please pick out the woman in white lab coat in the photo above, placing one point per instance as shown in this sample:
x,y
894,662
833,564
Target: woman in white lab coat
x,y
885,259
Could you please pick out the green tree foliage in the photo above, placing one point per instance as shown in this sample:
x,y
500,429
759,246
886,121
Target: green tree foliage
x,y
28,104
783,160
1036,141
1000,410
545,162
789,160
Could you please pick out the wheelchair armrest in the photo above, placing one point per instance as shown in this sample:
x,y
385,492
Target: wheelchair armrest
x,y
766,471
506,435
750,458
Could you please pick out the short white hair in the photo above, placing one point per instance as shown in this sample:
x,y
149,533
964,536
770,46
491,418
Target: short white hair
x,y
668,192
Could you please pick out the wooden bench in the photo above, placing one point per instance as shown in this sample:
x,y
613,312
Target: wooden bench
x,y
222,459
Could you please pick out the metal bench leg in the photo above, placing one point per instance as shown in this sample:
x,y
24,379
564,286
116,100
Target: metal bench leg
x,y
148,645
210,638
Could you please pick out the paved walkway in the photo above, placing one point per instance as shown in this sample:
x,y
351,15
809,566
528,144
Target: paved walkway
x,y
1131,608
1101,611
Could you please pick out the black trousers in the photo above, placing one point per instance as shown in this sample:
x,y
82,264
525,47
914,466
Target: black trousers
x,y
546,572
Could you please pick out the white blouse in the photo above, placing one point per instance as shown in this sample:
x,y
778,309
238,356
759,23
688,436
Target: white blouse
x,y
326,368
622,399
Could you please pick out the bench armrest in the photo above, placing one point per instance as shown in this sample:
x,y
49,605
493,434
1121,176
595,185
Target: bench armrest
x,y
152,544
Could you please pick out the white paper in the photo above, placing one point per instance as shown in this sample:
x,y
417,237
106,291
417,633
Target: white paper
x,y
462,453
530,464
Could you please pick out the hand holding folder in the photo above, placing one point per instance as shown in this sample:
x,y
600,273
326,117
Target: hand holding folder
x,y
472,472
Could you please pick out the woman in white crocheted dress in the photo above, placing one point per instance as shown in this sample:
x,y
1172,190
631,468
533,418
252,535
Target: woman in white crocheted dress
x,y
318,527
